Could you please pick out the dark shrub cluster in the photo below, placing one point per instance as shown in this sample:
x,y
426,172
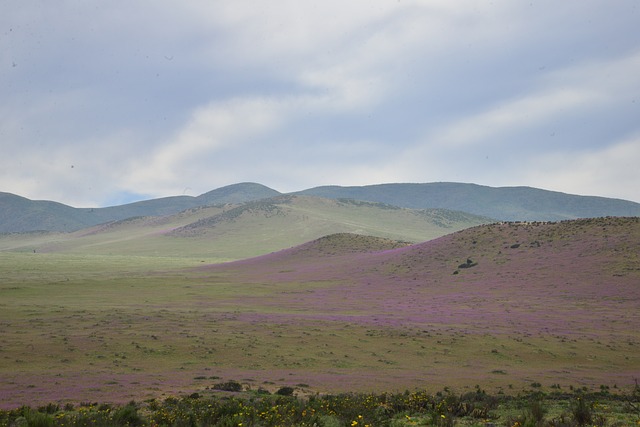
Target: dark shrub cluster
x,y
228,386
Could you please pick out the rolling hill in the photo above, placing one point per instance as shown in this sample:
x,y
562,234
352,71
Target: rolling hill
x,y
551,302
244,230
501,306
575,253
18,214
503,203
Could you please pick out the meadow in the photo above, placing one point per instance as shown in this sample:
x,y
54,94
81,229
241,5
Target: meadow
x,y
505,308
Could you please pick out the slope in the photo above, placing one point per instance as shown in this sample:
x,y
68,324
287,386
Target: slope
x,y
550,302
503,203
18,214
250,229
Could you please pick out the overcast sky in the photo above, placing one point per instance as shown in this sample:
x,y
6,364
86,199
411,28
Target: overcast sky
x,y
103,103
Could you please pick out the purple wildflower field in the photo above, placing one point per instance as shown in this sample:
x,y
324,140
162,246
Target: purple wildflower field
x,y
500,305
567,290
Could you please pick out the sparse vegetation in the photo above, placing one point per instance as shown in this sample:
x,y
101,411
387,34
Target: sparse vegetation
x,y
228,386
409,408
340,313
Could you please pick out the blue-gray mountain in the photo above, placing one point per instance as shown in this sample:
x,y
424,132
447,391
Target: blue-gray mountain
x,y
18,214
503,203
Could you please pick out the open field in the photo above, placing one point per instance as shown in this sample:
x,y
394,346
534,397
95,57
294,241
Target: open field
x,y
502,306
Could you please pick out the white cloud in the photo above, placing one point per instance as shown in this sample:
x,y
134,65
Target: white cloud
x,y
496,125
78,174
207,93
211,129
611,171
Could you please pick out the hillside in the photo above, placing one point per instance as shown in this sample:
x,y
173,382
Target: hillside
x,y
246,230
503,203
18,214
578,253
507,307
550,302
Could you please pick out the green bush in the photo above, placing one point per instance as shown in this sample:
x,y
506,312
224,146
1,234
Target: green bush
x,y
228,386
285,391
38,419
581,411
128,416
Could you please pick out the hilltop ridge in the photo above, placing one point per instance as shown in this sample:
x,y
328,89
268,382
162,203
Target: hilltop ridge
x,y
236,231
18,214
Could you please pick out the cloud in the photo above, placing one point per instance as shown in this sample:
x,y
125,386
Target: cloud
x,y
500,123
154,97
612,170
211,130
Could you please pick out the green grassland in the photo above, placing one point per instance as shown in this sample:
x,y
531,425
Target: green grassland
x,y
231,232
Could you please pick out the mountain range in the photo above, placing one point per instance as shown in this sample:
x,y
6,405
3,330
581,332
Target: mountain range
x,y
243,230
19,214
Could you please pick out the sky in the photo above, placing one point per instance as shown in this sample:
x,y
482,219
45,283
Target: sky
x,y
104,103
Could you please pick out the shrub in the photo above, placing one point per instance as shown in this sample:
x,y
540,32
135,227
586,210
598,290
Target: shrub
x,y
51,408
230,385
285,391
581,412
38,419
536,411
128,416
470,263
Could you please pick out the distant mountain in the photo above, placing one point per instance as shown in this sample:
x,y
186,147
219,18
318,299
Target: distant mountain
x,y
18,214
227,232
237,193
503,203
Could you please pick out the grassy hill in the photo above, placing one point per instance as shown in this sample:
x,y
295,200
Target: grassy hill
x,y
229,232
539,302
18,214
503,203
508,307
